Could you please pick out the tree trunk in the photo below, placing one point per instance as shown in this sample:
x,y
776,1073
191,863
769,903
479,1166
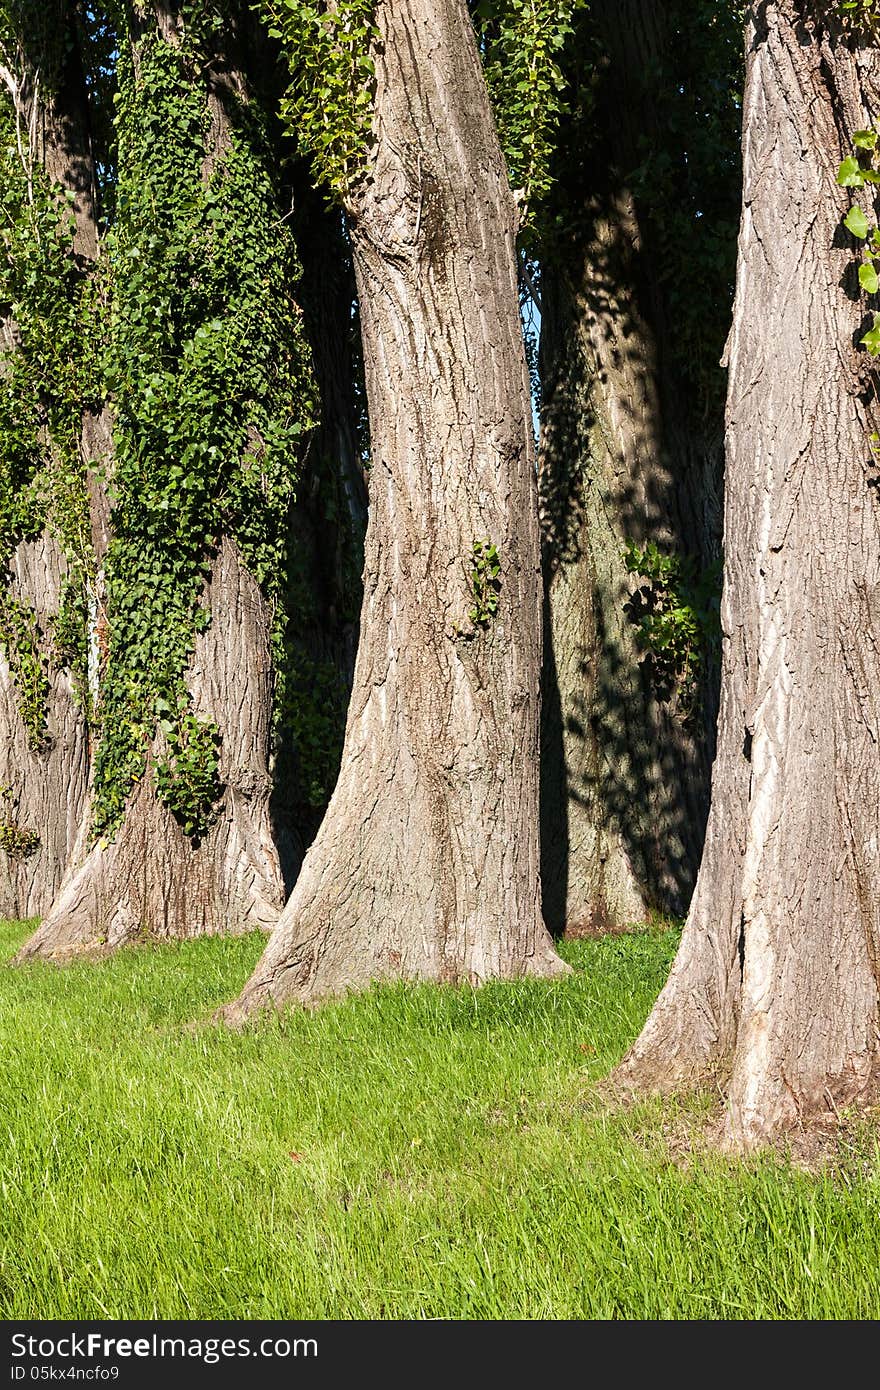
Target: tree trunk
x,y
152,880
43,779
625,765
775,988
426,864
44,785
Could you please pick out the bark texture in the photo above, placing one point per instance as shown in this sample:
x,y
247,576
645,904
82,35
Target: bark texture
x,y
775,989
426,864
625,767
152,881
46,786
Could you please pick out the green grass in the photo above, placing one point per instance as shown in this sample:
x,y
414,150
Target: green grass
x,y
455,1159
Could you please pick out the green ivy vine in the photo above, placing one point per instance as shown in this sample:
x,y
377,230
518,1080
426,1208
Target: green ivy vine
x,y
15,840
676,616
22,644
856,171
49,367
329,102
211,383
521,44
485,583
863,16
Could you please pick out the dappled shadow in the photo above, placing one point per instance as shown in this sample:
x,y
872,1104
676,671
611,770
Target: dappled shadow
x,y
616,742
628,454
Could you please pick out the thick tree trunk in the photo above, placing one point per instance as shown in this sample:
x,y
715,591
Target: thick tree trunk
x,y
426,864
44,781
775,988
152,880
625,767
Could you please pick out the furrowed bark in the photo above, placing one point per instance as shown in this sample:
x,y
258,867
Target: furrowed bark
x,y
152,881
775,989
426,864
625,767
46,785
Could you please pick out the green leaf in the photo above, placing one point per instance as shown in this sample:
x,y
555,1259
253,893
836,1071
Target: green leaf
x,y
871,340
849,175
865,139
856,222
868,278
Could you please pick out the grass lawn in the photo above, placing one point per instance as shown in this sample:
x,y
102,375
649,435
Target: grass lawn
x,y
417,1152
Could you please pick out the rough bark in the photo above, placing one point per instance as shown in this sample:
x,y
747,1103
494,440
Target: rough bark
x,y
46,786
152,881
625,768
426,864
775,989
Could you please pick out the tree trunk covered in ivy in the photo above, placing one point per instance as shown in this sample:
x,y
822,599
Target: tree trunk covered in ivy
x,y
154,881
212,392
48,437
630,454
774,993
426,864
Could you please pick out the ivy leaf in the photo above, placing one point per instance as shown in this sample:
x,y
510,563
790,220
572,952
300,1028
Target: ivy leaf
x,y
865,139
849,175
857,223
868,278
871,340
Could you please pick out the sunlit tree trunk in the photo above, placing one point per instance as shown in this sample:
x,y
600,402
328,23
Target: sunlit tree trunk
x,y
426,865
151,879
44,773
774,993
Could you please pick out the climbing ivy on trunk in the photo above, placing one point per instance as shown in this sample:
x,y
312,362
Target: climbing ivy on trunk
x,y
211,383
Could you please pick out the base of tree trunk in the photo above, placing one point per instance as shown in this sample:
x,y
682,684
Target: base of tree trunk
x,y
362,917
152,882
775,992
293,971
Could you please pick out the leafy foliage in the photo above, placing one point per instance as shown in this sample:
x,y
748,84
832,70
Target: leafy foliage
x,y
521,44
857,171
188,778
20,640
211,383
49,367
16,841
485,583
862,16
676,618
328,105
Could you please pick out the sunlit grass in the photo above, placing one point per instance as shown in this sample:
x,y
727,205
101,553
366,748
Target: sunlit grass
x,y
417,1152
